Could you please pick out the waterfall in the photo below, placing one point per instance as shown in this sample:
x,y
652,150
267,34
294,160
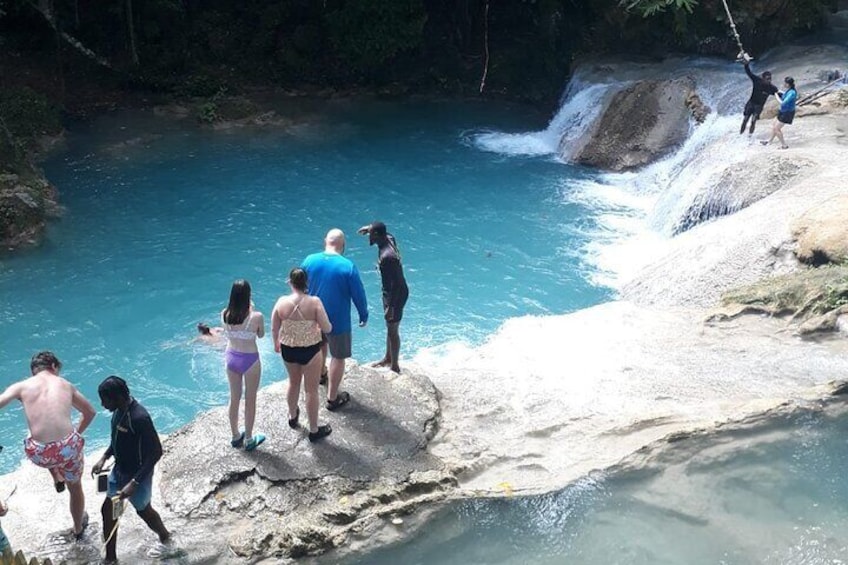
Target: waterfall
x,y
637,211
577,113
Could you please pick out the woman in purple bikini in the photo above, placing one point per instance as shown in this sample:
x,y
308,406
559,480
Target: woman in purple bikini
x,y
242,325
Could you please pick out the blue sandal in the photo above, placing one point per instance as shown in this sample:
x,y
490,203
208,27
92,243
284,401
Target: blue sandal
x,y
254,442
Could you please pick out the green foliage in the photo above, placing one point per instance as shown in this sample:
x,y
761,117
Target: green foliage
x,y
653,7
366,34
28,114
207,112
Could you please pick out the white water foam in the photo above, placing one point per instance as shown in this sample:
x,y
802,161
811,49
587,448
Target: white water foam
x,y
577,113
636,213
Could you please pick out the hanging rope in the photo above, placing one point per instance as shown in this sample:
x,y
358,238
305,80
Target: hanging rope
x,y
733,28
486,45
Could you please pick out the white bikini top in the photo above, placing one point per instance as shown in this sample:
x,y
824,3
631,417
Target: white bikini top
x,y
235,332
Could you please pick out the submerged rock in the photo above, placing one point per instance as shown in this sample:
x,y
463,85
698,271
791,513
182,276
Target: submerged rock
x,y
822,233
641,124
291,498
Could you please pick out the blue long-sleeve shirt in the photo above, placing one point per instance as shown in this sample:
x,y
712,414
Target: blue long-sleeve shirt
x,y
787,100
335,280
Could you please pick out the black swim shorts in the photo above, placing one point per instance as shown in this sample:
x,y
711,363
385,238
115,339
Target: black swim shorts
x,y
786,117
752,109
393,309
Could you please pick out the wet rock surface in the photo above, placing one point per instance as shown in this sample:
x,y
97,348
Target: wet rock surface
x,y
642,123
741,185
292,498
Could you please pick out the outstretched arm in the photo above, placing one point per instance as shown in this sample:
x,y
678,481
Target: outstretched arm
x,y
86,409
10,394
748,72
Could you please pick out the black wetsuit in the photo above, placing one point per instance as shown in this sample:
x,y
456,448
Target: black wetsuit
x,y
761,90
135,443
395,291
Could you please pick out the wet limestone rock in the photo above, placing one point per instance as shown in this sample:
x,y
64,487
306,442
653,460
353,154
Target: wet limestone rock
x,y
822,233
741,185
291,498
642,123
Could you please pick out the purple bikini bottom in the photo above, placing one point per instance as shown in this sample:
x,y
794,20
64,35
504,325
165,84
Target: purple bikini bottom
x,y
239,362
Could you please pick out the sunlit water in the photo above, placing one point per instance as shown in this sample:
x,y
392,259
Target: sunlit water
x,y
774,494
161,217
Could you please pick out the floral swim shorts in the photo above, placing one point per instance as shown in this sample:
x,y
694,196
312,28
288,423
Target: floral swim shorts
x,y
66,455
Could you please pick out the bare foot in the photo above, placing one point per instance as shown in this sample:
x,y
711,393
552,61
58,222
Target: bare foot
x,y
396,369
381,363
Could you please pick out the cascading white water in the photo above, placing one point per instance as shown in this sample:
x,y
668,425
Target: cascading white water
x,y
578,111
637,211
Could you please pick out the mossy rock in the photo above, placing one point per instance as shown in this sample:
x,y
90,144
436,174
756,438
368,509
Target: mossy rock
x,y
801,295
29,115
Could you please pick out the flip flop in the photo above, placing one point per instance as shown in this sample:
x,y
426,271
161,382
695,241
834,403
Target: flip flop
x,y
293,422
323,431
341,399
254,442
238,442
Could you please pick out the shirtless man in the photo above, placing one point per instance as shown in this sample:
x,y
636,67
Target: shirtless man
x,y
395,291
54,443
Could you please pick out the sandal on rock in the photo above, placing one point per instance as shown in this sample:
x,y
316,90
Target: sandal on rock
x,y
323,431
254,442
293,422
341,399
784,147
238,442
764,142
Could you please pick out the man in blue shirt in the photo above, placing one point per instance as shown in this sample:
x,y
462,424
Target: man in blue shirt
x,y
335,280
136,448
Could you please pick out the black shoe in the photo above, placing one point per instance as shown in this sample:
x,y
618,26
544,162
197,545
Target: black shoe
x,y
294,423
323,431
341,399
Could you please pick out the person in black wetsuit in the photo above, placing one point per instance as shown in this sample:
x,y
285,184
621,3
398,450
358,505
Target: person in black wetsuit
x,y
395,291
762,89
136,448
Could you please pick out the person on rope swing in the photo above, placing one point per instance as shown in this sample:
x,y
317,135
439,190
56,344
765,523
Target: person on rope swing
x,y
762,88
786,114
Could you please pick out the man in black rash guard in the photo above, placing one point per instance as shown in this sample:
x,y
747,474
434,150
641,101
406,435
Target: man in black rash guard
x,y
762,89
136,448
395,291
